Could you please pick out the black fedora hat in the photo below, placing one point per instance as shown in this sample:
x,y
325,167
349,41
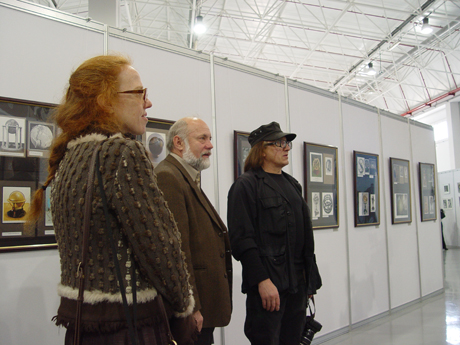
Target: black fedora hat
x,y
272,131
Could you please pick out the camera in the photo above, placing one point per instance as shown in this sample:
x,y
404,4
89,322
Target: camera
x,y
311,327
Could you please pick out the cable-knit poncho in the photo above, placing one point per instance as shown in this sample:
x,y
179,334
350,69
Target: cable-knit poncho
x,y
143,226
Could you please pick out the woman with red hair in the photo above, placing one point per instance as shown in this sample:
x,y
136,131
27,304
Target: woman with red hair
x,y
103,110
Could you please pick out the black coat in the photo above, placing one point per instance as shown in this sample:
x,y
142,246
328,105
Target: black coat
x,y
262,231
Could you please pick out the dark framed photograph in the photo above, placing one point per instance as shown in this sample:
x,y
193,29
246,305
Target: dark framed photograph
x,y
401,211
366,188
154,139
24,146
321,184
427,187
241,148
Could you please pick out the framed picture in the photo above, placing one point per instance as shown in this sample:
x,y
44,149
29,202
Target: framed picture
x,y
40,136
154,139
427,188
321,184
241,148
400,191
366,188
25,139
446,188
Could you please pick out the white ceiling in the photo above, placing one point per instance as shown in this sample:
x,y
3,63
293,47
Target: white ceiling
x,y
325,43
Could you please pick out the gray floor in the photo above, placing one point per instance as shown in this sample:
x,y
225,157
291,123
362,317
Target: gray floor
x,y
435,321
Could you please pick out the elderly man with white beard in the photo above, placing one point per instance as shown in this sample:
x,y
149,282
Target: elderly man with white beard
x,y
205,239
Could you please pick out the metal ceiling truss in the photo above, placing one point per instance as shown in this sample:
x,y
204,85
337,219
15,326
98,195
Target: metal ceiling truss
x,y
324,43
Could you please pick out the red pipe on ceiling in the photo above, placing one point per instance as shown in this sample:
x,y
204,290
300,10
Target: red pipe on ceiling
x,y
428,104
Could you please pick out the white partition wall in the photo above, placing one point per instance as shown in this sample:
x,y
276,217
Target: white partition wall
x,y
429,232
367,245
315,118
38,52
402,238
367,271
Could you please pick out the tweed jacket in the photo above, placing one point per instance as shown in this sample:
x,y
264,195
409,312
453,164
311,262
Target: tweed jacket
x,y
143,227
204,240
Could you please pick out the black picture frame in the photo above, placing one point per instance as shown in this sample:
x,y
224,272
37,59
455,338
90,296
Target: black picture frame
x,y
241,148
366,188
154,139
321,184
23,168
427,188
400,187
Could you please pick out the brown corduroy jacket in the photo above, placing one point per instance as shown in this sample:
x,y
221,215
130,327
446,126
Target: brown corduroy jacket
x,y
204,240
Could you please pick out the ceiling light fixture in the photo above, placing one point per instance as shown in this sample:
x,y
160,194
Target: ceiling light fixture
x,y
426,28
393,45
199,28
370,69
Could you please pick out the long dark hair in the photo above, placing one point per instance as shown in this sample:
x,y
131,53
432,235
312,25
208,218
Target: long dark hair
x,y
255,158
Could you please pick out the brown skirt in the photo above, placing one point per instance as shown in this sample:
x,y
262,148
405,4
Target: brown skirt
x,y
149,335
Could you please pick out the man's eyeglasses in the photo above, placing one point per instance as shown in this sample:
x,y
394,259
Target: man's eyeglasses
x,y
280,143
143,91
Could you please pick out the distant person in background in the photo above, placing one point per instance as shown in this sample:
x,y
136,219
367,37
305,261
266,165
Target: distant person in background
x,y
443,215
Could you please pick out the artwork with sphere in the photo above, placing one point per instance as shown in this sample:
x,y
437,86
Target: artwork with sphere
x,y
41,137
16,201
156,145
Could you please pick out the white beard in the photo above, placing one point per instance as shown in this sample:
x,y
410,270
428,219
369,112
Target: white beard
x,y
200,163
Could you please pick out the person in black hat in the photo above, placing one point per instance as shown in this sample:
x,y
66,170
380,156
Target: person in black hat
x,y
271,234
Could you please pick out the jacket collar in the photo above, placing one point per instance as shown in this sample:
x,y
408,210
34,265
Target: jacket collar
x,y
198,193
89,138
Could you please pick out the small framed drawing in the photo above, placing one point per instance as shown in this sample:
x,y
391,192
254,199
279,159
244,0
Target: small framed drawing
x,y
241,148
40,137
401,206
154,139
366,188
16,197
446,188
427,187
321,184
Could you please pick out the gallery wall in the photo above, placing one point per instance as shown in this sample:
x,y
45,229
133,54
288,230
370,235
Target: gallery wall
x,y
367,271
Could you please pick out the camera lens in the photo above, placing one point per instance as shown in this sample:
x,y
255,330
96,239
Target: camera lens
x,y
307,337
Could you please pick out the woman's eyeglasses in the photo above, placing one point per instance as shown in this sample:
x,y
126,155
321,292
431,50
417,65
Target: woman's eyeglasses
x,y
143,91
280,143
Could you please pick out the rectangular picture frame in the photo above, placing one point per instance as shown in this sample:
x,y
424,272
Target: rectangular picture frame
x,y
366,181
400,190
16,197
321,184
154,139
427,189
241,148
23,168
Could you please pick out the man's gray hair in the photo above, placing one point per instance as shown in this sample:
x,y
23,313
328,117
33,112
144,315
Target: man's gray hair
x,y
179,128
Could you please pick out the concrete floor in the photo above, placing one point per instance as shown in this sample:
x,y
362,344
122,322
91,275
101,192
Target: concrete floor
x,y
434,321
